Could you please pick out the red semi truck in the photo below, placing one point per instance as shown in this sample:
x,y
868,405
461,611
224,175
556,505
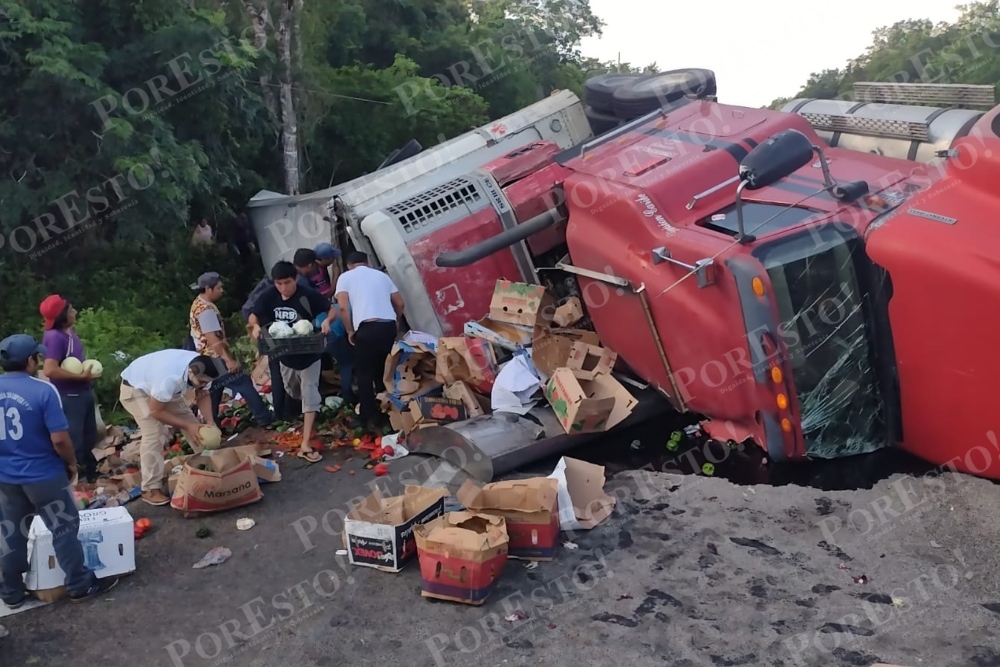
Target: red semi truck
x,y
817,300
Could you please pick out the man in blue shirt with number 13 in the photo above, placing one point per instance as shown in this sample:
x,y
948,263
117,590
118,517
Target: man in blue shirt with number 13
x,y
36,464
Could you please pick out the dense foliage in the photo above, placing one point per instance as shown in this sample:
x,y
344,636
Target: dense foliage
x,y
920,51
122,122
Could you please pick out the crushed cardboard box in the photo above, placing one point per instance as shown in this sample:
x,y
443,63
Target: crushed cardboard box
x,y
462,555
521,304
528,506
378,531
475,404
588,406
552,349
582,501
469,360
568,314
409,372
506,336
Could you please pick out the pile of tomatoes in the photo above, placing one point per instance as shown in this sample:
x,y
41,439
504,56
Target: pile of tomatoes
x,y
141,527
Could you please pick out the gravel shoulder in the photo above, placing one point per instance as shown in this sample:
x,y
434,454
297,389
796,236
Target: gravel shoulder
x,y
688,571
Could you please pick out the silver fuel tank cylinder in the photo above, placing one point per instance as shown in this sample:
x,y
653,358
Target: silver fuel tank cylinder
x,y
903,131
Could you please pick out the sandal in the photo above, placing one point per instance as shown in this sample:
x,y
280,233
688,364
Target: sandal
x,y
311,457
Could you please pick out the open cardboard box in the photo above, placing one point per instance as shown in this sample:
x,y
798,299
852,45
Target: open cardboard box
x,y
229,480
553,349
588,406
462,555
378,531
529,507
582,501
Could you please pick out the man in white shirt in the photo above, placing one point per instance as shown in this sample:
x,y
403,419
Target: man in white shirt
x,y
370,307
152,390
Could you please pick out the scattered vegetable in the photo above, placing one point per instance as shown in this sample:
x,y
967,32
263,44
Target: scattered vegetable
x,y
203,533
144,523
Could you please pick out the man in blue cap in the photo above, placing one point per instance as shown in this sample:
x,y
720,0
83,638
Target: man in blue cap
x,y
328,259
37,462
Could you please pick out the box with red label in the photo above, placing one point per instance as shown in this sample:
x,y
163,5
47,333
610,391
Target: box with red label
x,y
530,509
462,555
378,531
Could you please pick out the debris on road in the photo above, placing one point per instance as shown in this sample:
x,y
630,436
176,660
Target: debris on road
x,y
216,556
515,617
202,533
245,524
861,579
571,545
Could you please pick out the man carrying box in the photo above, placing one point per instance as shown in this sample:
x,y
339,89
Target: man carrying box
x,y
152,390
37,462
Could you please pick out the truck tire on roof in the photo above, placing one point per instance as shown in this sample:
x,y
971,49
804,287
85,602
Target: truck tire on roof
x,y
601,122
598,90
651,92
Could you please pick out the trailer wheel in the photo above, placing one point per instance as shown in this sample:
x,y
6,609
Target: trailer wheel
x,y
656,91
599,90
601,122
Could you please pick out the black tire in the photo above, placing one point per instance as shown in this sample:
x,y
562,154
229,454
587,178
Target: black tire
x,y
656,91
598,91
601,122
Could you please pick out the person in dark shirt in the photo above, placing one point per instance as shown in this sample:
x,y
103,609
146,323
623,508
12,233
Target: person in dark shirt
x,y
307,265
289,303
37,462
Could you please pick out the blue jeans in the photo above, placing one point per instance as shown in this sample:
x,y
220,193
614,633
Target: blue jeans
x,y
343,353
242,384
52,501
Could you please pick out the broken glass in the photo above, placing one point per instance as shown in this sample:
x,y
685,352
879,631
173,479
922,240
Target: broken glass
x,y
826,332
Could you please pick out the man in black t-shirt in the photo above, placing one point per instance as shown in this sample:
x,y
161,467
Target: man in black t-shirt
x,y
288,302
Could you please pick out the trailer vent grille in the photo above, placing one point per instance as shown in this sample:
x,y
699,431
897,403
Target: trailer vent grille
x,y
420,210
926,94
873,127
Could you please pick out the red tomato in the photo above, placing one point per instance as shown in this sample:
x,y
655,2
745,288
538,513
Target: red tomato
x,y
381,469
388,450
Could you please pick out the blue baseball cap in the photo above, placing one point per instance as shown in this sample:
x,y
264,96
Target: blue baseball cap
x,y
19,347
326,251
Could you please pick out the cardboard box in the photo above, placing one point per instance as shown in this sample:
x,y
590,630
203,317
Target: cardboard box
x,y
577,406
464,359
108,548
521,304
462,555
507,336
475,404
568,314
589,361
378,532
409,372
552,349
582,501
437,410
227,482
530,508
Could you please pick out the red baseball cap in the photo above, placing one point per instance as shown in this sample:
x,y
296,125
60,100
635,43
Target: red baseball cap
x,y
52,307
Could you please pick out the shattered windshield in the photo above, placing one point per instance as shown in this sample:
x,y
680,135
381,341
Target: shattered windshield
x,y
825,329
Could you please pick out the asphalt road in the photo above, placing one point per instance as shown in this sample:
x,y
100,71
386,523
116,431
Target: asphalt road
x,y
689,571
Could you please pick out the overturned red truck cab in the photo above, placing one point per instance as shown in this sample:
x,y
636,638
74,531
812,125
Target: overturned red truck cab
x,y
815,300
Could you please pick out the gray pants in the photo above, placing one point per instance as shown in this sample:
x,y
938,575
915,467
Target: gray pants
x,y
52,501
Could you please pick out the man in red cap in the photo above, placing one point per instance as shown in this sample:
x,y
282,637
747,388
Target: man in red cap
x,y
76,390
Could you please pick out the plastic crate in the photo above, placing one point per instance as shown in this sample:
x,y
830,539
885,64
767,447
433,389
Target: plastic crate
x,y
314,343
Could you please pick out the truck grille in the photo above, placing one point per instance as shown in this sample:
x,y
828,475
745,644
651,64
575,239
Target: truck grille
x,y
419,211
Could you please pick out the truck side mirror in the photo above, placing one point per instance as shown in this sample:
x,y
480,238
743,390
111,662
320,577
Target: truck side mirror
x,y
779,156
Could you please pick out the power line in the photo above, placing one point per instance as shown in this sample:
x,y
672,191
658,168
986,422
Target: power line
x,y
325,92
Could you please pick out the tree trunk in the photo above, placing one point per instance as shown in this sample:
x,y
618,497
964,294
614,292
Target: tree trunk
x,y
289,122
260,18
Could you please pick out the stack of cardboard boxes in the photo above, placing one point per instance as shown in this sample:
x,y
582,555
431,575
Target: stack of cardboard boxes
x,y
462,554
433,382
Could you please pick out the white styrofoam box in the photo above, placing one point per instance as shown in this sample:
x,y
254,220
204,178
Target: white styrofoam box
x,y
108,547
